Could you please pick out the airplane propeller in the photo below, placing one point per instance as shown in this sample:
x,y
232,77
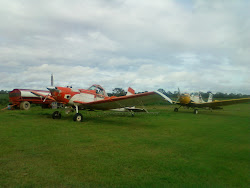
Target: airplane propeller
x,y
53,89
48,97
41,95
45,98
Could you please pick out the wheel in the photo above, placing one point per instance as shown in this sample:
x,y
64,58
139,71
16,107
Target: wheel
x,y
176,110
195,111
78,117
25,105
56,115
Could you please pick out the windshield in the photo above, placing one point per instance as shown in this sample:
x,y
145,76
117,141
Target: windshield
x,y
92,88
99,90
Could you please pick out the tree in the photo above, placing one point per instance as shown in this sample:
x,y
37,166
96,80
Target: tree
x,y
3,92
119,92
162,91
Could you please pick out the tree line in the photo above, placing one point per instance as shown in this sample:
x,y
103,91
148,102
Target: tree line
x,y
4,92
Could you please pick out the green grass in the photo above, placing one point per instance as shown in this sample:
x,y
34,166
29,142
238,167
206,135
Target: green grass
x,y
164,149
4,99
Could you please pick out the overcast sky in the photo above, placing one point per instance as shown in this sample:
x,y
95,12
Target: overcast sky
x,y
195,45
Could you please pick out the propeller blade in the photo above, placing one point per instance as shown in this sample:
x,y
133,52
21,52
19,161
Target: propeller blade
x,y
45,98
53,89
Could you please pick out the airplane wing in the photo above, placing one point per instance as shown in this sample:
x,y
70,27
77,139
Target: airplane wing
x,y
220,103
125,101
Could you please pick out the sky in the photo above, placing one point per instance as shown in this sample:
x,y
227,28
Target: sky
x,y
196,45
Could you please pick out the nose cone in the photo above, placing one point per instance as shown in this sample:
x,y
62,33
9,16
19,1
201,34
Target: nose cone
x,y
61,94
53,89
185,99
55,92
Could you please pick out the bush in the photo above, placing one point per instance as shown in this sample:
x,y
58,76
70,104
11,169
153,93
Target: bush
x,y
4,99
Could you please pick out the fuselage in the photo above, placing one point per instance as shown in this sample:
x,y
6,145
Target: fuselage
x,y
67,95
186,98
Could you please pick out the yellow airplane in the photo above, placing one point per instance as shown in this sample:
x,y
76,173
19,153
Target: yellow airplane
x,y
195,101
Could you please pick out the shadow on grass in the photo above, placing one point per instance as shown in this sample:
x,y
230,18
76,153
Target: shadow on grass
x,y
215,113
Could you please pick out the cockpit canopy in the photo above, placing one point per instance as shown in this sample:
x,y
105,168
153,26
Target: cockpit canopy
x,y
99,90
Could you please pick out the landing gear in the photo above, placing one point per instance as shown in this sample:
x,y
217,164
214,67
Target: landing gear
x,y
195,111
176,109
132,113
56,115
78,117
69,110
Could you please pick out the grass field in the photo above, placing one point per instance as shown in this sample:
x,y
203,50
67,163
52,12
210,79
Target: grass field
x,y
164,149
4,99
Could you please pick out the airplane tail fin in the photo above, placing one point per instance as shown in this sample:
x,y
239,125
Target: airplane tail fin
x,y
130,91
210,97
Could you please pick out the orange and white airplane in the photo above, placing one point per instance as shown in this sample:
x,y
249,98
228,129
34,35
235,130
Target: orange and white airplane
x,y
195,101
95,98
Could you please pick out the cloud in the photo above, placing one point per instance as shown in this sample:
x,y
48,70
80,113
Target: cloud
x,y
194,45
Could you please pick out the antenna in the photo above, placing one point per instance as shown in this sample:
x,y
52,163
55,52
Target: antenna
x,y
52,80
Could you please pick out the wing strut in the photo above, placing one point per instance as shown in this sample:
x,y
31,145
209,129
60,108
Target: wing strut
x,y
144,108
77,110
119,104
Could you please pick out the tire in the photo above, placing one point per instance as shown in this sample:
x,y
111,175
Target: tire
x,y
56,115
25,105
78,117
195,111
176,110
